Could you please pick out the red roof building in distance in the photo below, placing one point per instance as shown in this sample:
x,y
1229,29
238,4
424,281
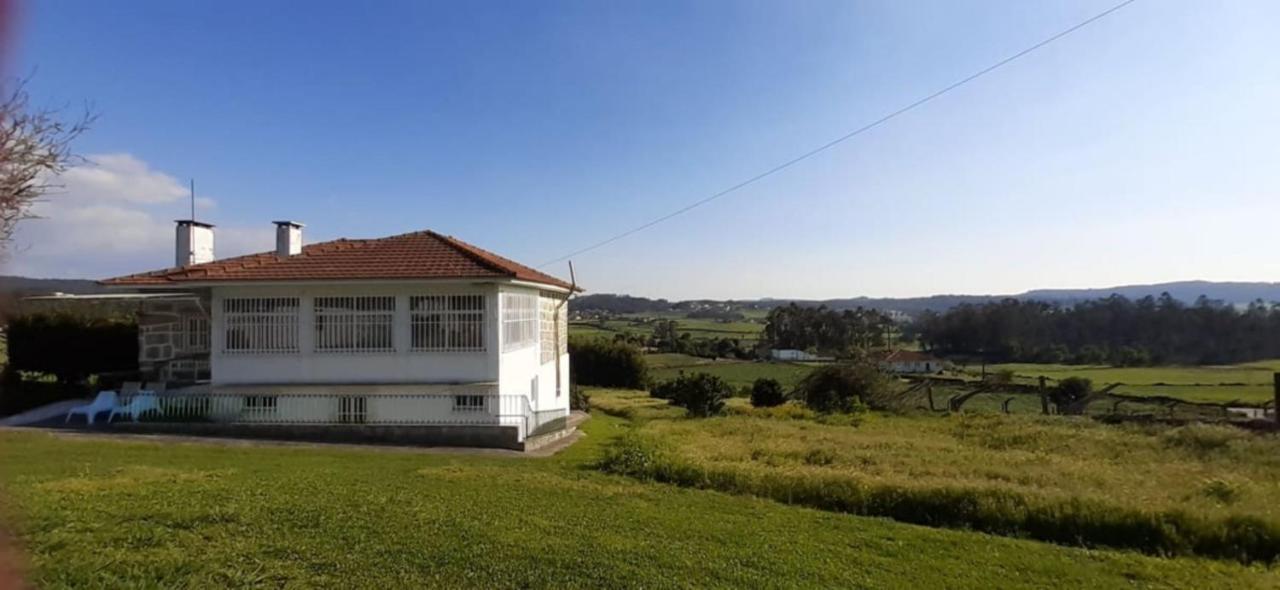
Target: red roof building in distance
x,y
910,361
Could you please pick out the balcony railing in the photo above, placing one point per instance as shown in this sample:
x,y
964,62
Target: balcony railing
x,y
408,409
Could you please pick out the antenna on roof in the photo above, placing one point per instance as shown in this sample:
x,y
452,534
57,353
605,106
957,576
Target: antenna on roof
x,y
193,199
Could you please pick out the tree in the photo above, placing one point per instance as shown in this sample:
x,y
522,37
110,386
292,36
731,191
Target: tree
x,y
35,145
767,393
847,387
702,394
1069,391
605,363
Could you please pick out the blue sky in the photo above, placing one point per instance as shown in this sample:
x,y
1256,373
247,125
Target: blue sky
x,y
1140,149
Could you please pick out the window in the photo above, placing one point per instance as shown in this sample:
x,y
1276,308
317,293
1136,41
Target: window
x,y
547,328
354,324
447,323
468,403
195,337
260,324
258,407
519,321
352,410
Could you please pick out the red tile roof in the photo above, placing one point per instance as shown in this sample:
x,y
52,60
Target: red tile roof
x,y
416,255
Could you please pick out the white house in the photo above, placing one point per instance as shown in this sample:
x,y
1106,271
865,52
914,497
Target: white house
x,y
415,330
910,361
791,354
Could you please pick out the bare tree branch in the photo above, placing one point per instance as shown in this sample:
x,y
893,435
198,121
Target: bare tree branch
x,y
35,146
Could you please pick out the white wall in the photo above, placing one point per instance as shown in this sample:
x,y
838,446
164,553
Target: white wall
x,y
193,244
400,366
520,367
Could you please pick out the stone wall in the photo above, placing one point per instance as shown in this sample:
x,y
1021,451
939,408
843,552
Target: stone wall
x,y
173,340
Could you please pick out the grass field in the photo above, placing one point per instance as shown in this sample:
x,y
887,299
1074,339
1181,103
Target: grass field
x,y
746,331
1022,475
1250,383
94,513
737,373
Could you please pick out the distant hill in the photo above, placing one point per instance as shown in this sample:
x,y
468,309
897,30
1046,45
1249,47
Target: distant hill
x,y
1186,291
24,286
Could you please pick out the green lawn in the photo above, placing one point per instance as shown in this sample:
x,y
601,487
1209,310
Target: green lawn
x,y
1251,383
96,513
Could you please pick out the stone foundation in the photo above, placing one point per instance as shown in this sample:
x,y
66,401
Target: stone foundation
x,y
494,437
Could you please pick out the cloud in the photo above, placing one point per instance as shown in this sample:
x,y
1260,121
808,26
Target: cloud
x,y
114,215
121,178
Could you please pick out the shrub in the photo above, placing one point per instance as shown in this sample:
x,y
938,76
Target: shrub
x,y
1069,391
18,395
1221,491
782,412
1001,377
603,363
72,347
702,394
1203,438
52,357
819,457
633,455
843,388
767,393
578,398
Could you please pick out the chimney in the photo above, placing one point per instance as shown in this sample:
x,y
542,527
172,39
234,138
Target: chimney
x,y
288,238
194,243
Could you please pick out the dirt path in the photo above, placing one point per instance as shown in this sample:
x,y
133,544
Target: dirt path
x,y
11,563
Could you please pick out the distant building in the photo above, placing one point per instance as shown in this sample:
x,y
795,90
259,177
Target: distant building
x,y
910,362
791,354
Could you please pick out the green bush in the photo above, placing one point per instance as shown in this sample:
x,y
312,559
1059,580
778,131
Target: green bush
x,y
767,393
70,347
578,399
633,455
605,363
54,356
702,394
1069,391
1203,438
18,395
849,387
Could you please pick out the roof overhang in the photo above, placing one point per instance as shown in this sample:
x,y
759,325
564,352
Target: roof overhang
x,y
196,284
109,296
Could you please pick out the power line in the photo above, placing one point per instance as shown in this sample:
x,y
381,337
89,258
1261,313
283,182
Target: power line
x,y
843,138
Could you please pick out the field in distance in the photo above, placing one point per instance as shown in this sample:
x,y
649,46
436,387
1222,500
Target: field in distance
x,y
1248,383
747,330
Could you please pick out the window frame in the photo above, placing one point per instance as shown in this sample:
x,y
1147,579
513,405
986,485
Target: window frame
x,y
361,319
469,403
278,334
463,316
519,321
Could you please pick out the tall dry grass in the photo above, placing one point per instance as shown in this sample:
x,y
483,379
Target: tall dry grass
x,y
1206,490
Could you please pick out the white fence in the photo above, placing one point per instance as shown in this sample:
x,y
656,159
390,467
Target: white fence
x,y
410,409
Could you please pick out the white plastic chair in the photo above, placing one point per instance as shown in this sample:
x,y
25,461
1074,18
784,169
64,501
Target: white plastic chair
x,y
106,401
139,404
